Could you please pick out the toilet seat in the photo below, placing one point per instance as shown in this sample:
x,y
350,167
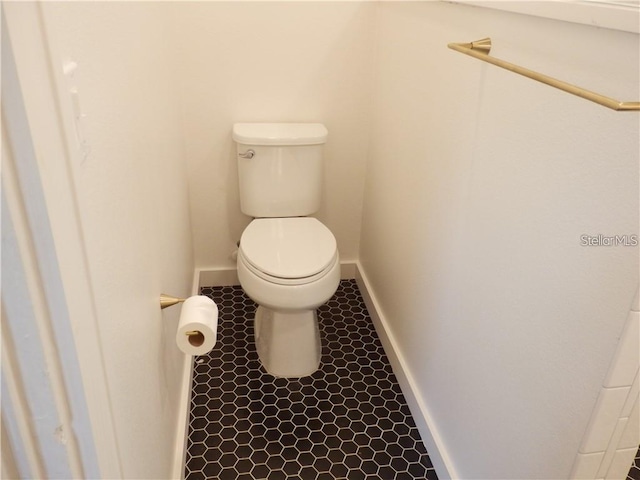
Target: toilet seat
x,y
288,251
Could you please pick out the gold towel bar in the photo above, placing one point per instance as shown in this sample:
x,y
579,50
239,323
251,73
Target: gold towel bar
x,y
480,49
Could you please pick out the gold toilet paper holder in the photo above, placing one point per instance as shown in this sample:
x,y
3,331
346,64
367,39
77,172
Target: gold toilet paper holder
x,y
168,301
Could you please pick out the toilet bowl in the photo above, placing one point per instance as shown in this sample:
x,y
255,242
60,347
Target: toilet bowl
x,y
289,267
287,262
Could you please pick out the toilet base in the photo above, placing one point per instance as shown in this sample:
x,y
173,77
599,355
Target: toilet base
x,y
288,343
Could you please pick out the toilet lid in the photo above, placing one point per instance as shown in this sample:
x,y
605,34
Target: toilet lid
x,y
295,247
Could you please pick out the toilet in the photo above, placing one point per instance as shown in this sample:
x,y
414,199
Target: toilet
x,y
288,262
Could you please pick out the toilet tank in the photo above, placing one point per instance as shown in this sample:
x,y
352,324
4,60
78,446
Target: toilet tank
x,y
283,176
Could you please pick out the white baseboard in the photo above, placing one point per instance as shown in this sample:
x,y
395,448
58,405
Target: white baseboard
x,y
424,422
226,276
217,277
180,450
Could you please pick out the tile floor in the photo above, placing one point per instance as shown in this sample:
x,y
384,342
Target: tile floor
x,y
349,420
634,473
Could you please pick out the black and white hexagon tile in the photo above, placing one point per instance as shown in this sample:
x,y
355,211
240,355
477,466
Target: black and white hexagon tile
x,y
349,420
634,471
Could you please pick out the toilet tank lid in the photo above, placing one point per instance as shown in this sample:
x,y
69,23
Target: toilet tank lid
x,y
280,133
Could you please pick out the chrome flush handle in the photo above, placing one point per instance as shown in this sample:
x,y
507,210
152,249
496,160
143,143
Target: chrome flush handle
x,y
248,154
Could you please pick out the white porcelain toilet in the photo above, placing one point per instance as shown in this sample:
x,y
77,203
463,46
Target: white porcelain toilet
x,y
288,262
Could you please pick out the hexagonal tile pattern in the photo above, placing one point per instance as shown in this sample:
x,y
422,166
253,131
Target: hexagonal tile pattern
x,y
349,420
634,472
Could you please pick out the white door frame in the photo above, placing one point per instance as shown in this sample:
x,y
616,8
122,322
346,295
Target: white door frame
x,y
47,125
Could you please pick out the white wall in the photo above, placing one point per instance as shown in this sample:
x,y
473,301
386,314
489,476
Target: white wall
x,y
272,62
479,185
132,192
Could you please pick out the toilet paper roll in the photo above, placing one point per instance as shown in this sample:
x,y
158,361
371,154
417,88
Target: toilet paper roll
x,y
198,325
